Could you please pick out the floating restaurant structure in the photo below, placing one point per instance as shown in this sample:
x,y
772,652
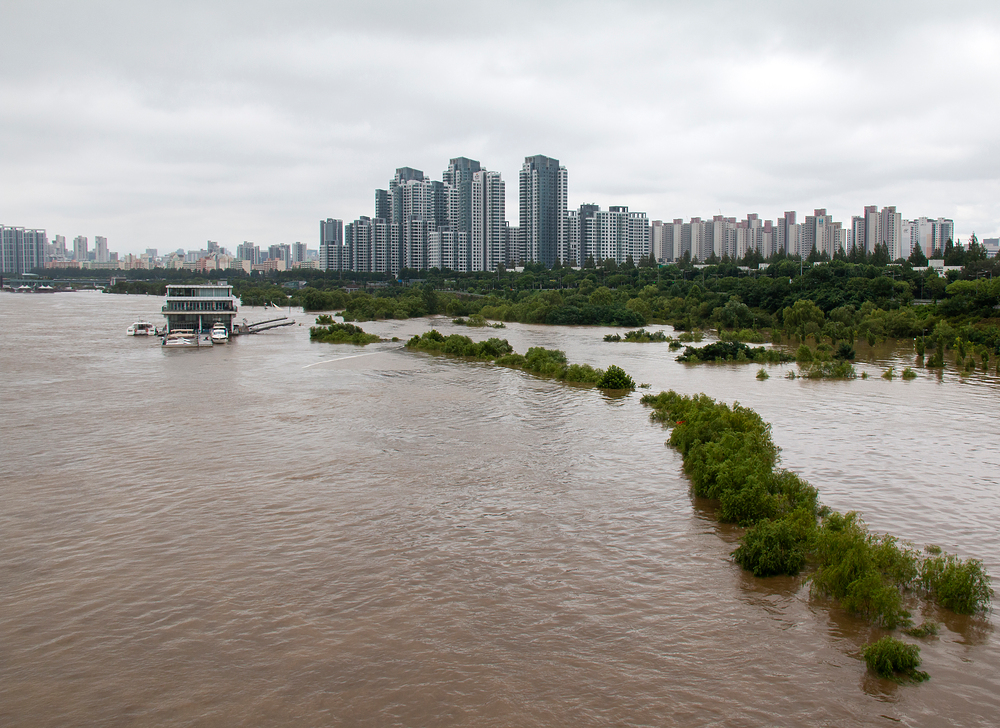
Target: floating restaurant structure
x,y
199,308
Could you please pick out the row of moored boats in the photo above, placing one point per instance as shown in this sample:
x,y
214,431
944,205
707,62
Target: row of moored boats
x,y
182,338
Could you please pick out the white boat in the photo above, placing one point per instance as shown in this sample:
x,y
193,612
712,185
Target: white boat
x,y
220,334
141,328
186,339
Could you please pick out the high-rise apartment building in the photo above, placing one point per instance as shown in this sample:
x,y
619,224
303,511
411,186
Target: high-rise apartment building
x,y
543,197
57,249
81,248
890,229
101,249
245,251
416,206
582,235
789,234
21,250
333,255
488,221
458,180
281,252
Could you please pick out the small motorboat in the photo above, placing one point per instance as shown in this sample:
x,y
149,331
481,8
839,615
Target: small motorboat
x,y
220,334
186,339
141,328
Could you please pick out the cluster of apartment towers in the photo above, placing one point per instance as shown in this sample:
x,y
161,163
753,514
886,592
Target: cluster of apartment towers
x,y
460,224
22,250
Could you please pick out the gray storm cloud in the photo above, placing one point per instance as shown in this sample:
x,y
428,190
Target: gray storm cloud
x,y
163,125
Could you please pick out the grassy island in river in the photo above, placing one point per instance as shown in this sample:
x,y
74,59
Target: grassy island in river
x,y
330,332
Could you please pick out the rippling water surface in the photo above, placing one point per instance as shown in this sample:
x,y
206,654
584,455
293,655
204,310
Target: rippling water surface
x,y
277,532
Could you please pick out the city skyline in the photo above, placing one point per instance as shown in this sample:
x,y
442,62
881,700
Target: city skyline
x,y
174,125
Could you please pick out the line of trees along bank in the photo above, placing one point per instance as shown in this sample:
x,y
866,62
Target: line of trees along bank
x,y
838,301
849,299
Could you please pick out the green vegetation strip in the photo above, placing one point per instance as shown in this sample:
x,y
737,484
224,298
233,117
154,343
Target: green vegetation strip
x,y
538,360
640,336
732,351
729,456
330,332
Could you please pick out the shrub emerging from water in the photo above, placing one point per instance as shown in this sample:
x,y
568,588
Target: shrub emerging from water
x,y
908,373
458,345
762,374
804,354
752,336
961,586
889,373
845,352
894,659
477,320
639,336
777,547
614,377
688,336
336,333
866,573
828,370
927,629
731,351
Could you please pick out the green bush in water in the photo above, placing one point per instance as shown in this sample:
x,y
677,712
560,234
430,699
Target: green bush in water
x,y
888,373
614,377
824,352
866,573
927,629
583,373
961,586
777,547
341,334
845,352
324,320
804,354
762,374
829,370
547,362
640,336
458,345
891,658
722,351
908,373
514,361
691,336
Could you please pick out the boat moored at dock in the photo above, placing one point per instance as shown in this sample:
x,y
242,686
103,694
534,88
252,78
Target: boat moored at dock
x,y
187,339
141,328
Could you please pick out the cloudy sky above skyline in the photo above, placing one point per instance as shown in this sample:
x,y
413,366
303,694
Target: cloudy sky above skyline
x,y
168,124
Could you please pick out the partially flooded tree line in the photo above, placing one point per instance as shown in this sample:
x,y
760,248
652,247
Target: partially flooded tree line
x,y
729,456
538,360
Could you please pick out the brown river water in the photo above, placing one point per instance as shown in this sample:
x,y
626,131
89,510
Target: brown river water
x,y
278,532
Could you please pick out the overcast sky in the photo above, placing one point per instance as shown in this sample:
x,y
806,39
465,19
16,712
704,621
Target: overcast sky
x,y
171,123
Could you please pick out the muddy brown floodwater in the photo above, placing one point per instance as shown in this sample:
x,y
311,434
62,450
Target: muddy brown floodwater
x,y
277,532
